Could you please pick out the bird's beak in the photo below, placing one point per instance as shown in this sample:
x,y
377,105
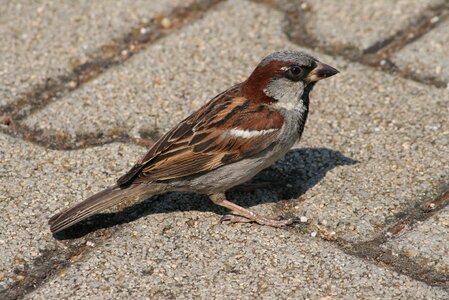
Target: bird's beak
x,y
321,71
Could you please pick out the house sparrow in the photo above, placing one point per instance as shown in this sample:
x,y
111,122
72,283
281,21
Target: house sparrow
x,y
229,140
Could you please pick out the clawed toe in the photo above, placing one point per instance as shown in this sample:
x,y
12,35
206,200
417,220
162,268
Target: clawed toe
x,y
278,222
234,219
243,215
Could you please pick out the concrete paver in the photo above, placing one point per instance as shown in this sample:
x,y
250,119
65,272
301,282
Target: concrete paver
x,y
36,182
367,115
427,57
427,244
42,39
361,24
180,256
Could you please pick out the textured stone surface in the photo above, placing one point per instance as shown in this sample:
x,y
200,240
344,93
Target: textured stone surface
x,y
361,24
158,87
42,39
427,243
375,145
427,57
177,256
364,114
36,183
397,130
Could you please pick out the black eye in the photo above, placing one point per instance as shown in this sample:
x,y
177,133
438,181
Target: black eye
x,y
294,73
295,70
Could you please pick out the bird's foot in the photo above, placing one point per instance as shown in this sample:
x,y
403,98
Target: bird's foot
x,y
278,222
244,215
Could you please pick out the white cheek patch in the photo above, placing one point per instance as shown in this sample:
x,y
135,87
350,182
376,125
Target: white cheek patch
x,y
246,134
287,93
291,106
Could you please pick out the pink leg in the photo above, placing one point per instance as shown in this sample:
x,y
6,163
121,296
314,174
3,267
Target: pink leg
x,y
245,215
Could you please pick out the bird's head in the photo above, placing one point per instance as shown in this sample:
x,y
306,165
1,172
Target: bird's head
x,y
285,77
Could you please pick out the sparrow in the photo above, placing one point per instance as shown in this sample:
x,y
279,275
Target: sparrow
x,y
238,133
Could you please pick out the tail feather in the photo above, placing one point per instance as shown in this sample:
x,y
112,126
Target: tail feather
x,y
95,203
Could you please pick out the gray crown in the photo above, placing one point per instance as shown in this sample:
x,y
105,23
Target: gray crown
x,y
289,55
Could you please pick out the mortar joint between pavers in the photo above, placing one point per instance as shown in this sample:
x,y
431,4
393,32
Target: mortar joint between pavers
x,y
102,59
55,261
297,12
372,251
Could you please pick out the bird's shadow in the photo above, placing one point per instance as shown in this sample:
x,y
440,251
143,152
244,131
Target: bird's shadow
x,y
287,179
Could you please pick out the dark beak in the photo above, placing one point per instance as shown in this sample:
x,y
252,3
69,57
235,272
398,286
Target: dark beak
x,y
321,71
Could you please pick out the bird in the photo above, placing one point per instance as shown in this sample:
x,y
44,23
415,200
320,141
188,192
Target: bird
x,y
226,142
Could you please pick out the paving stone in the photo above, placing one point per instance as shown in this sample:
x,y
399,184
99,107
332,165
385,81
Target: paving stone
x,y
42,39
35,183
360,114
427,57
178,256
427,243
361,24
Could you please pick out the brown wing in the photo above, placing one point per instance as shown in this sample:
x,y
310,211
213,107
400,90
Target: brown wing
x,y
227,129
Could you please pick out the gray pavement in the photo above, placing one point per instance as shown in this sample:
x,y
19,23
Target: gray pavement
x,y
44,39
35,182
194,257
427,243
372,158
427,57
361,24
359,201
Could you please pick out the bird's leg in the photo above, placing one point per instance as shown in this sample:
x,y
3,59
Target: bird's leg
x,y
245,215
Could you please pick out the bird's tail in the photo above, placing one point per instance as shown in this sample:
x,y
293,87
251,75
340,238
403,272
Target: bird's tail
x,y
100,201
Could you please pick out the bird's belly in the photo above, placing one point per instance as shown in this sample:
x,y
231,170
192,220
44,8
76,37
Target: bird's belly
x,y
226,177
